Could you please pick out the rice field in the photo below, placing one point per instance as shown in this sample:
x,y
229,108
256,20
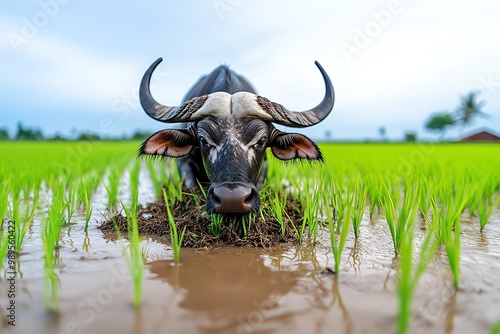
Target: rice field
x,y
407,211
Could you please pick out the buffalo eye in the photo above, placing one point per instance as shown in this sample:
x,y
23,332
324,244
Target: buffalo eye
x,y
203,142
261,143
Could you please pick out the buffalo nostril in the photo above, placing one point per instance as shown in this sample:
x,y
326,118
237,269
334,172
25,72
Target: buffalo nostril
x,y
216,199
232,199
248,199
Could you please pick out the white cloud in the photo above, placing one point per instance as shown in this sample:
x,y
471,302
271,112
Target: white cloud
x,y
72,73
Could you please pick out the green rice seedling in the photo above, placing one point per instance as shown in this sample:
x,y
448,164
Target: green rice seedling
x,y
263,213
300,229
50,278
486,207
409,275
4,244
175,192
203,192
339,203
4,199
84,194
171,180
452,246
22,210
14,208
475,200
244,225
115,171
399,216
195,198
446,223
338,239
51,232
155,177
88,208
216,221
55,215
71,202
311,201
175,238
246,222
424,191
374,192
278,210
359,193
31,198
134,255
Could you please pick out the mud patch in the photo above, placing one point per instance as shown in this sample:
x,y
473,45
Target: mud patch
x,y
254,231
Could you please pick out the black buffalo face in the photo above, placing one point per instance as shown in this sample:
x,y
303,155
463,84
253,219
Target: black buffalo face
x,y
233,152
230,129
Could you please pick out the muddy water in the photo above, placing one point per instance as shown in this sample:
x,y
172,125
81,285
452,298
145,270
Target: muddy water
x,y
241,290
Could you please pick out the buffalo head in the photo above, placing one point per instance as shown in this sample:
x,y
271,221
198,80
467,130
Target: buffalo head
x,y
227,138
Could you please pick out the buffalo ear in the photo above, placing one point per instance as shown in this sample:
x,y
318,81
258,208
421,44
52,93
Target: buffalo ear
x,y
288,146
169,143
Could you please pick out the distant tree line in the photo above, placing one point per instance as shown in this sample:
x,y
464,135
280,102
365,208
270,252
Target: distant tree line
x,y
27,133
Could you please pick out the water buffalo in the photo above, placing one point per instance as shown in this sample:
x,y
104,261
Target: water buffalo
x,y
229,128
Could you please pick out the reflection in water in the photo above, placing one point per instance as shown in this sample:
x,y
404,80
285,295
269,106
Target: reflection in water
x,y
451,310
52,323
354,259
232,288
86,243
138,321
345,313
482,242
322,325
18,267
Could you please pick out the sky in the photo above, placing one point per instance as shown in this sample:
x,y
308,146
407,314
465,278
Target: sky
x,y
68,66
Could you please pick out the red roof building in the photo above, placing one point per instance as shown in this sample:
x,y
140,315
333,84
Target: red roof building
x,y
484,136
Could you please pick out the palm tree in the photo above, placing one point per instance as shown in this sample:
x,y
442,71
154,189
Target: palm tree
x,y
469,108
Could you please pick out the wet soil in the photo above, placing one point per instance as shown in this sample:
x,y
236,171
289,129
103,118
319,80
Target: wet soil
x,y
259,230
